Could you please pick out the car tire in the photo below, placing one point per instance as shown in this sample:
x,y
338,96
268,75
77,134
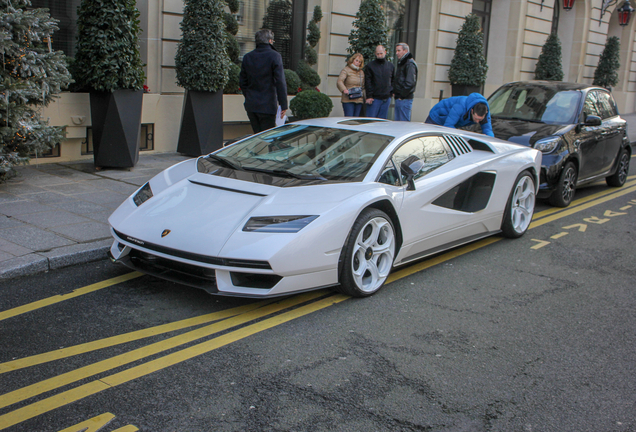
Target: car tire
x,y
367,256
564,192
619,178
520,207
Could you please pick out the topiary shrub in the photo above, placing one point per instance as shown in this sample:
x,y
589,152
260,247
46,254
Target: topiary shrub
x,y
369,29
549,62
232,86
293,81
606,73
308,76
233,48
468,66
231,24
311,104
311,56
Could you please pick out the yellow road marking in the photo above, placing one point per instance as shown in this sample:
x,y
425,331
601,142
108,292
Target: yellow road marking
x,y
559,235
580,226
83,391
63,297
540,243
148,350
124,338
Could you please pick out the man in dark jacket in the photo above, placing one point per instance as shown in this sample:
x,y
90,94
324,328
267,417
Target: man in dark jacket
x,y
404,82
460,111
378,76
262,81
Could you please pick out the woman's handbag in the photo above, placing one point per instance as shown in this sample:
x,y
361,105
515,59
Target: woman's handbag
x,y
355,92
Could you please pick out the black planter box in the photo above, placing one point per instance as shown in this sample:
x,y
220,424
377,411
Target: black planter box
x,y
201,123
116,124
463,90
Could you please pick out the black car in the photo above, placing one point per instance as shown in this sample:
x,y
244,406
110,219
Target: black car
x,y
576,127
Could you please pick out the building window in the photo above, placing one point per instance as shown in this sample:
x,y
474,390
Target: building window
x,y
65,11
483,8
278,16
146,139
401,19
51,153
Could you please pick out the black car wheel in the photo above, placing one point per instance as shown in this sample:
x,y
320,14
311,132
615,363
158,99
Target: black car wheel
x,y
619,178
367,256
520,207
564,192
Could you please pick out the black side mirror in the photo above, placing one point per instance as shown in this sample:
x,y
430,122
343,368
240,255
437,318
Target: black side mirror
x,y
411,166
592,120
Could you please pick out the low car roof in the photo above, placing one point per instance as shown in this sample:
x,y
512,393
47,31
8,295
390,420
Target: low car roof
x,y
377,126
556,85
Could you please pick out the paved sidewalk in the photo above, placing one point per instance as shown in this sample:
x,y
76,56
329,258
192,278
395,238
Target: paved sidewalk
x,y
56,215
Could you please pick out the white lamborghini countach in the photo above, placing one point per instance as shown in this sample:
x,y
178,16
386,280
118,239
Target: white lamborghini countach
x,y
333,202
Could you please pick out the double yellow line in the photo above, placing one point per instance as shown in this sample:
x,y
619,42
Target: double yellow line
x,y
267,313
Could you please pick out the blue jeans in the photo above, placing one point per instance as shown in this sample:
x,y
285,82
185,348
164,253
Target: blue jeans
x,y
351,109
379,108
403,109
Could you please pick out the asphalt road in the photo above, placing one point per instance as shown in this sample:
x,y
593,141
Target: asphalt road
x,y
534,334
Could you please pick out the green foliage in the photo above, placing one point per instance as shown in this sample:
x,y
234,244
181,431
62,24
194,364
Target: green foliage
x,y
307,75
278,18
232,47
369,30
233,5
606,73
232,86
311,56
314,33
468,66
202,62
317,17
293,81
311,104
31,77
549,63
107,52
231,24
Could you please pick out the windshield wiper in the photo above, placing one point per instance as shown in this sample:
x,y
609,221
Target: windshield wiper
x,y
286,173
226,162
517,118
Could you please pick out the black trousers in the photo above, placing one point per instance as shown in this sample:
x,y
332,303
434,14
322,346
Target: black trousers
x,y
261,122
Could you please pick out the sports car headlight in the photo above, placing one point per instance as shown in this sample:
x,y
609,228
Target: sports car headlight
x,y
278,224
547,145
144,194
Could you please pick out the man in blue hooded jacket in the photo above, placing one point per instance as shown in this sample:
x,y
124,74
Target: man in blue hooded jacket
x,y
460,111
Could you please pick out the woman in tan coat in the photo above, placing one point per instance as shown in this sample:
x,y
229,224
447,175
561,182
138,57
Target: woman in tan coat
x,y
351,85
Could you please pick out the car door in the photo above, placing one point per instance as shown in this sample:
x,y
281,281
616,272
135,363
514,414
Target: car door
x,y
426,226
614,129
590,141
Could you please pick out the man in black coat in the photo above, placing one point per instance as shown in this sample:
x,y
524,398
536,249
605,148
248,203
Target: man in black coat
x,y
378,76
262,81
404,82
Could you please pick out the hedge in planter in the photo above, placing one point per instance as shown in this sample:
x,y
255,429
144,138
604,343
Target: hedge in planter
x,y
311,104
468,67
31,76
606,73
108,64
369,30
202,66
549,62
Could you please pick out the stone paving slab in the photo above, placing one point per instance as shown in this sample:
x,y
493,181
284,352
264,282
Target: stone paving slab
x,y
56,215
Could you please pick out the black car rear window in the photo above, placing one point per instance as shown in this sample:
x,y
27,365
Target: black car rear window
x,y
535,104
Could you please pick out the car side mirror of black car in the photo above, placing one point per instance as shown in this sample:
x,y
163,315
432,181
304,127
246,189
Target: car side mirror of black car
x,y
410,167
592,120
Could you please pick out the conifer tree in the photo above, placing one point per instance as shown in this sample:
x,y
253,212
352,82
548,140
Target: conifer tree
x,y
313,36
369,30
549,62
606,73
468,66
32,75
202,62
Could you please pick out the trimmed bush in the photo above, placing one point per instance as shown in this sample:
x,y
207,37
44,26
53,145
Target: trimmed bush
x,y
468,66
311,104
311,56
606,73
369,30
293,81
549,62
233,86
307,75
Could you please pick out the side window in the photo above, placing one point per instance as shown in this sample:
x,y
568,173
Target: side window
x,y
390,174
429,149
589,107
606,105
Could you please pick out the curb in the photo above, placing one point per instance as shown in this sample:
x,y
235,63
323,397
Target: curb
x,y
57,258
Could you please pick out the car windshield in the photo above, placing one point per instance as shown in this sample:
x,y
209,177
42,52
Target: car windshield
x,y
306,152
535,104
